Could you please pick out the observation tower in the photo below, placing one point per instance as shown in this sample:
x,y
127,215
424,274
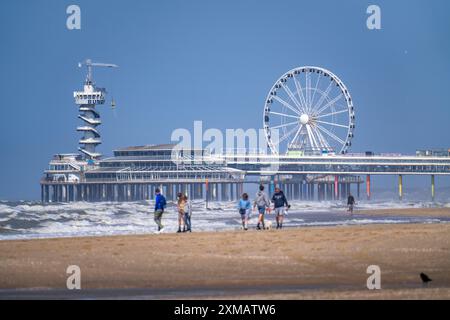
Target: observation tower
x,y
87,100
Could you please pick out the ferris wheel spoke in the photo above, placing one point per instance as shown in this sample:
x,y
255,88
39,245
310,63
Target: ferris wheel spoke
x,y
315,90
332,124
329,104
331,114
303,143
287,135
298,86
316,137
284,125
308,90
287,105
315,140
308,131
312,138
330,134
296,135
322,138
292,97
283,115
321,144
323,97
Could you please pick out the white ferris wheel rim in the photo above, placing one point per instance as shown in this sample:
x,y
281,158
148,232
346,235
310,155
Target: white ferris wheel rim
x,y
307,119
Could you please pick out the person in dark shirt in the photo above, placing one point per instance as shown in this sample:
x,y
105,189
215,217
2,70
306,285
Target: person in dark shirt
x,y
279,202
350,203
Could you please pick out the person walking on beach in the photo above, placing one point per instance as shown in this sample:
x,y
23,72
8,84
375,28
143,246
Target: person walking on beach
x,y
244,207
187,214
160,204
279,202
262,203
350,203
181,208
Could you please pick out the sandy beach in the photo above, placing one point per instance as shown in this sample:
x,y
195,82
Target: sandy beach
x,y
294,263
418,212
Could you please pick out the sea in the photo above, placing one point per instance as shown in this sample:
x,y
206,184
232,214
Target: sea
x,y
32,219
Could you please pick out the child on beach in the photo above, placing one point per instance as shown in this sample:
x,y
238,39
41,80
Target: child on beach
x,y
279,201
244,207
181,208
187,214
160,204
261,202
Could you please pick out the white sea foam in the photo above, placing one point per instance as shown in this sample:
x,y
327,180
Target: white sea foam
x,y
34,220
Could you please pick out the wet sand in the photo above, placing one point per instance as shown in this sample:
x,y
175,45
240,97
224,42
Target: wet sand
x,y
412,212
296,263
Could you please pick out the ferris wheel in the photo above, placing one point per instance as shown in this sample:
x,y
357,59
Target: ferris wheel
x,y
309,110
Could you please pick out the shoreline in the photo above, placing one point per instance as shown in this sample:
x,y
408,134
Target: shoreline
x,y
395,213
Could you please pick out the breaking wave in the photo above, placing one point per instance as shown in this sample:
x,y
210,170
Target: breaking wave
x,y
28,220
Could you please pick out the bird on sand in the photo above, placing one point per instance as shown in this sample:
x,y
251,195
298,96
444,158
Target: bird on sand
x,y
425,278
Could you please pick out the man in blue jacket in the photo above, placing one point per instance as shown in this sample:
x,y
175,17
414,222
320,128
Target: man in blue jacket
x,y
160,204
279,201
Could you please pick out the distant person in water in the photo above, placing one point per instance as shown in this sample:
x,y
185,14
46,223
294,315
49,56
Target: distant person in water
x,y
262,203
244,207
350,203
160,205
181,208
187,214
280,205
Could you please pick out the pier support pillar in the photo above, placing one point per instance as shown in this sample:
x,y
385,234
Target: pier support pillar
x,y
400,187
63,193
46,194
305,191
432,188
358,190
146,192
336,187
231,192
200,191
368,191
207,192
213,191
310,185
328,191
223,190
296,193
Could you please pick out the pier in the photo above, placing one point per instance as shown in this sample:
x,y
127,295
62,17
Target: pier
x,y
310,161
136,175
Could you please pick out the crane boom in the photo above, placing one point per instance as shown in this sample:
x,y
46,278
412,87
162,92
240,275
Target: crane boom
x,y
89,64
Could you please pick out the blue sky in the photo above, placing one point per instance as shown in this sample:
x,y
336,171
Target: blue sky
x,y
214,61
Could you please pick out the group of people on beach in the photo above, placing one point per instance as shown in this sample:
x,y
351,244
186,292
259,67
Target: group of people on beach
x,y
184,209
261,203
